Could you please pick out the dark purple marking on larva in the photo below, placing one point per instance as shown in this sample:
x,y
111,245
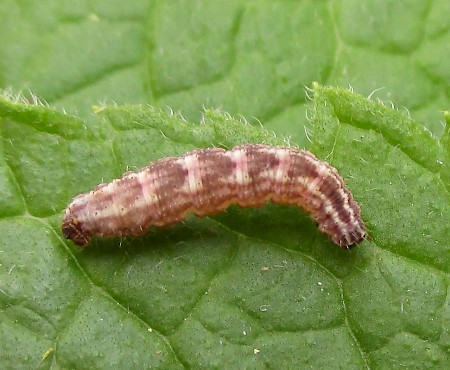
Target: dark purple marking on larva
x,y
207,181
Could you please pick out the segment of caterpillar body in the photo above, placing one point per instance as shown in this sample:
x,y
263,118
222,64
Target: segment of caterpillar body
x,y
207,181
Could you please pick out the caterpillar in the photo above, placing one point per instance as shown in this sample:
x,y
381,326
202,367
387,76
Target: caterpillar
x,y
207,181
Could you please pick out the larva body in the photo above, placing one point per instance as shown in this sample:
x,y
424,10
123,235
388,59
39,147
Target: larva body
x,y
207,181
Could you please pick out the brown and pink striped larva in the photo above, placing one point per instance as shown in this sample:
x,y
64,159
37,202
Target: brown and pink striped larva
x,y
207,181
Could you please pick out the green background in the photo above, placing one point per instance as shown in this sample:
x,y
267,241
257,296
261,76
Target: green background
x,y
249,288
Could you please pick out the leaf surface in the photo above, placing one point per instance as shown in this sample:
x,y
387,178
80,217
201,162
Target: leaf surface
x,y
240,288
248,288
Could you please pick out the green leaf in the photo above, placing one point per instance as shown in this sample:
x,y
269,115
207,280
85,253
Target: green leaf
x,y
229,290
248,288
